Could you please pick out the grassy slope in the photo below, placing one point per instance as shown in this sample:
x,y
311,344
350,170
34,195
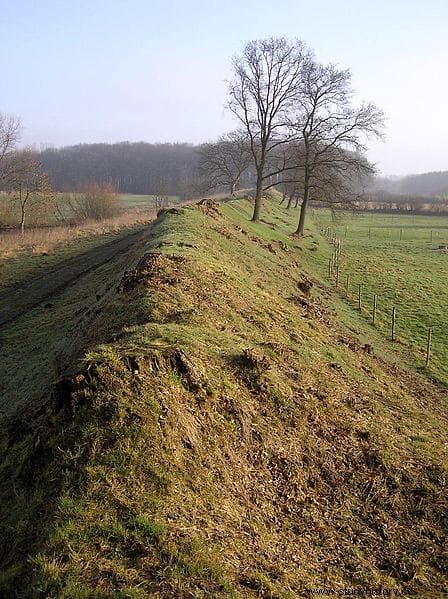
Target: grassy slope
x,y
230,439
50,246
42,343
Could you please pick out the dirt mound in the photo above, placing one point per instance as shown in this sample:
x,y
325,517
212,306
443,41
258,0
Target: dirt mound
x,y
151,269
209,207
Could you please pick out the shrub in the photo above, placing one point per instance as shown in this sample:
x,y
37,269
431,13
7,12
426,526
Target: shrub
x,y
96,201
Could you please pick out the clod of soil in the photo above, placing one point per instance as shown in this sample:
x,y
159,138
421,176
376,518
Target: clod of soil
x,y
305,286
209,207
150,268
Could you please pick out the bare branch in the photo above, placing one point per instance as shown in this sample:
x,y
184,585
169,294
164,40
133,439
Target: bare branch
x,y
329,160
222,164
10,132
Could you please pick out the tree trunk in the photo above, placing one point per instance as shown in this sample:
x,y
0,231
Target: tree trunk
x,y
258,195
301,227
22,222
232,188
289,202
23,198
297,202
306,191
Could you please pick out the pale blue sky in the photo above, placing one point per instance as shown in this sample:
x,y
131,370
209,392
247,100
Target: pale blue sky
x,y
111,70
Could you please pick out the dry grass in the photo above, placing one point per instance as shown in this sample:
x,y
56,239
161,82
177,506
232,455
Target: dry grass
x,y
47,239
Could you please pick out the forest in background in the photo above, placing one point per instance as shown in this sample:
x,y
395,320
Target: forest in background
x,y
136,168
144,168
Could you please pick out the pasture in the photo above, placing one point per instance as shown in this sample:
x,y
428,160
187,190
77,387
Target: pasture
x,y
133,201
403,260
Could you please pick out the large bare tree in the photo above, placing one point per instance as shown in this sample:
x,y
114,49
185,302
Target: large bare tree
x,y
266,81
222,164
333,134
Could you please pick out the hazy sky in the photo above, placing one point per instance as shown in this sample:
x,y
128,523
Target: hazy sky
x,y
155,70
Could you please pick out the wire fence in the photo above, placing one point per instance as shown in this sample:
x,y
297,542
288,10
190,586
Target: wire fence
x,y
371,305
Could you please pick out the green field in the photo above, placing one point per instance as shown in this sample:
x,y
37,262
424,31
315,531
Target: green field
x,y
131,200
397,258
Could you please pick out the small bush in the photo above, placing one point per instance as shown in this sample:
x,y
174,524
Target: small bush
x,y
96,201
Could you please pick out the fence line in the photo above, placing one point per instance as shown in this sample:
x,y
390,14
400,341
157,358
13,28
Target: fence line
x,y
334,271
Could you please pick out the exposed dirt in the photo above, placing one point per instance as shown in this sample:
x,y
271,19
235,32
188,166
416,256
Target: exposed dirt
x,y
209,207
151,268
26,295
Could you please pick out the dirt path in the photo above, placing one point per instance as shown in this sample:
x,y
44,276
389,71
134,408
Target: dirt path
x,y
26,295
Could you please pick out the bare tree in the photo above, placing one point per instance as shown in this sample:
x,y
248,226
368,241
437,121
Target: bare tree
x,y
222,164
328,183
267,79
28,186
288,163
160,192
10,131
333,134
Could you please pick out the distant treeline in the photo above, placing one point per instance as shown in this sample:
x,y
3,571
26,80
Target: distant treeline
x,y
433,185
172,168
427,184
384,201
141,168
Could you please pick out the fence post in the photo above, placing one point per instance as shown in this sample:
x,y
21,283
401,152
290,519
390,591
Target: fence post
x,y
428,347
394,318
374,310
401,234
330,267
335,258
347,286
337,277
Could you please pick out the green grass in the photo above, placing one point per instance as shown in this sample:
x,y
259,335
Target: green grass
x,y
409,274
39,345
130,200
20,263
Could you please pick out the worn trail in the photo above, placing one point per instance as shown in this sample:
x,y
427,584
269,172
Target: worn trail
x,y
26,295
